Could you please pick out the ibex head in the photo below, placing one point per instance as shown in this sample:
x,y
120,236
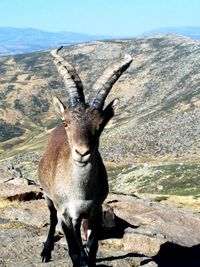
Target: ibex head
x,y
84,122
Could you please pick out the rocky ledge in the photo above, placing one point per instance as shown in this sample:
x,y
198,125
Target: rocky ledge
x,y
135,231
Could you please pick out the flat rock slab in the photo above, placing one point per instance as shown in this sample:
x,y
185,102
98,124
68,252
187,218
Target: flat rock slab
x,y
32,213
156,220
139,233
21,246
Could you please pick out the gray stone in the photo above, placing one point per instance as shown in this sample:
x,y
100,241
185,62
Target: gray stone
x,y
141,244
157,220
108,216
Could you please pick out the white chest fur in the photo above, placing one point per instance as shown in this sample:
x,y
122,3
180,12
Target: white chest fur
x,y
78,197
78,207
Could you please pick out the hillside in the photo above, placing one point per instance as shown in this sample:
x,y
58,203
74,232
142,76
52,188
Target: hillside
x,y
157,124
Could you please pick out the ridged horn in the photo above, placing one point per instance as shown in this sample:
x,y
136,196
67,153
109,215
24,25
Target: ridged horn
x,y
70,78
103,85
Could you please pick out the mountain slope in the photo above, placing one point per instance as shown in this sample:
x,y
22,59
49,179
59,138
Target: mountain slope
x,y
160,93
159,97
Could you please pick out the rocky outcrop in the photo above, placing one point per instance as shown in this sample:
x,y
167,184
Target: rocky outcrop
x,y
15,187
135,232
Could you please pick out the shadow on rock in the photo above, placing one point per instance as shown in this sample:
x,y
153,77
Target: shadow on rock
x,y
174,255
117,231
127,255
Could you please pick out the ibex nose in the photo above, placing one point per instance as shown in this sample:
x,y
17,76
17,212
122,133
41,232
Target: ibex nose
x,y
81,154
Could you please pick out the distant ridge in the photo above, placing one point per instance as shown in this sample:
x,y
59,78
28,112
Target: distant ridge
x,y
26,40
188,31
18,41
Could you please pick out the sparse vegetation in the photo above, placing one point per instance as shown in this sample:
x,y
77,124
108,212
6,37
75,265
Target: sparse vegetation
x,y
7,203
18,105
6,91
158,122
166,179
8,131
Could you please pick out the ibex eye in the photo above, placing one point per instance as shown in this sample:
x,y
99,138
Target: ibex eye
x,y
65,123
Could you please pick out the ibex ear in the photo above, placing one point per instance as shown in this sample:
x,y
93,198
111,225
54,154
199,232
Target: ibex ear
x,y
111,107
115,104
58,106
109,111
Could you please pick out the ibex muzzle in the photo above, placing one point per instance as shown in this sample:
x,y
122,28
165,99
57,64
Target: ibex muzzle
x,y
71,171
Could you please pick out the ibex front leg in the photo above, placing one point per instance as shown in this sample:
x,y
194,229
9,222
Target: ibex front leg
x,y
94,225
49,244
71,229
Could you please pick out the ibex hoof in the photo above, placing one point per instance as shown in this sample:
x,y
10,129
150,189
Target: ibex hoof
x,y
46,255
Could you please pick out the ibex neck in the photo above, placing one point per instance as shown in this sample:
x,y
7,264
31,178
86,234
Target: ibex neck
x,y
84,178
82,169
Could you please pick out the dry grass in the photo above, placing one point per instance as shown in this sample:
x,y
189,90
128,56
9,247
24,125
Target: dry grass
x,y
6,203
185,202
189,202
112,243
11,225
115,165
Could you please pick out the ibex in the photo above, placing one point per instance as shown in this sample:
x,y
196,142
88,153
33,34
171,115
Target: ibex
x,y
71,171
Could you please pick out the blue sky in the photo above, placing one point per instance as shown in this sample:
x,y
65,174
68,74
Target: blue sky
x,y
106,17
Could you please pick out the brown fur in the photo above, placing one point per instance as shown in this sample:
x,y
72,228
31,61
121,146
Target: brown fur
x,y
75,190
71,170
